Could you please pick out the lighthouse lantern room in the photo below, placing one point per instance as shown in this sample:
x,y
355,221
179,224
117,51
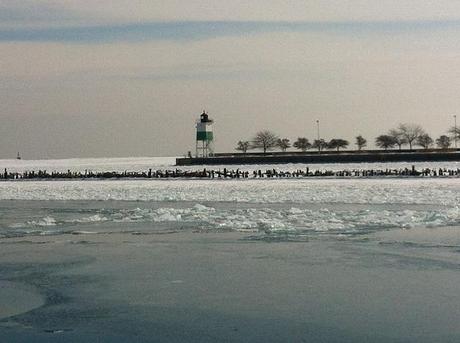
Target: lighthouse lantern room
x,y
204,136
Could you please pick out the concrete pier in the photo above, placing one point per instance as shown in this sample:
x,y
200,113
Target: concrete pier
x,y
325,157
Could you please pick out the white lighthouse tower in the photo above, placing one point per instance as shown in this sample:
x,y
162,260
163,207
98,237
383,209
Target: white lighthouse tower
x,y
204,136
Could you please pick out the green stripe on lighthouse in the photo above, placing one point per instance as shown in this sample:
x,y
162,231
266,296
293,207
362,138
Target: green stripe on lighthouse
x,y
204,136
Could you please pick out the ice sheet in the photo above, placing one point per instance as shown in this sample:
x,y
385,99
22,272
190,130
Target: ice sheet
x,y
360,191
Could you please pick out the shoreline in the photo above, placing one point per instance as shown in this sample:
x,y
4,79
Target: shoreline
x,y
225,174
406,177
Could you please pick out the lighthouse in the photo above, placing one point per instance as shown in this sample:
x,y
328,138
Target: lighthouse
x,y
204,136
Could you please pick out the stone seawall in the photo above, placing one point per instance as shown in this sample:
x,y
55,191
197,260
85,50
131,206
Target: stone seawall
x,y
323,158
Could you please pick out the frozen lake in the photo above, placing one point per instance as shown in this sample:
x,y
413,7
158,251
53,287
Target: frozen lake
x,y
316,260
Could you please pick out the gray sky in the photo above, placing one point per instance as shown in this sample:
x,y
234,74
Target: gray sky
x,y
130,77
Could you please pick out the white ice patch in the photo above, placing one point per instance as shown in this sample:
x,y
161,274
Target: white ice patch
x,y
269,220
303,191
91,219
46,221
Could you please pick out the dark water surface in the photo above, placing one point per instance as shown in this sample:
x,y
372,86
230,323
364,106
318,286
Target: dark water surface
x,y
120,271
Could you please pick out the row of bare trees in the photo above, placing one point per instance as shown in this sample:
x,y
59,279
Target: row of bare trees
x,y
267,140
411,134
404,134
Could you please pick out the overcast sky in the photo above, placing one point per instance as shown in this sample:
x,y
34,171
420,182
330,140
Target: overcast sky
x,y
90,78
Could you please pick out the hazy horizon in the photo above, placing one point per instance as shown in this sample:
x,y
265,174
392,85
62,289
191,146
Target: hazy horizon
x,y
129,78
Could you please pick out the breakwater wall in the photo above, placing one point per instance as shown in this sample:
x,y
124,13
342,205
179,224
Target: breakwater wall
x,y
225,173
327,157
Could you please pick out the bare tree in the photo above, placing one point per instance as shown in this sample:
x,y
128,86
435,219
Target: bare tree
x,y
319,144
302,143
385,141
443,142
243,146
283,144
265,140
398,138
410,132
337,143
361,142
424,140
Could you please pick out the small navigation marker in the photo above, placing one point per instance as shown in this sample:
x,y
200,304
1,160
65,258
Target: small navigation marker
x,y
204,136
18,157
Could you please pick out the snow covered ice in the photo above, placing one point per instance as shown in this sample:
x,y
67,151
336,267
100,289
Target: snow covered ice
x,y
262,260
299,207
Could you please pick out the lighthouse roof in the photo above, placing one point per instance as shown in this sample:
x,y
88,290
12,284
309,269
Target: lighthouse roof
x,y
204,118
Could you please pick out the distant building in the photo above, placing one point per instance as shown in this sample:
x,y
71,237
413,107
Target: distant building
x,y
204,136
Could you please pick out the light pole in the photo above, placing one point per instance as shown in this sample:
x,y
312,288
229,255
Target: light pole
x,y
455,130
317,134
317,128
